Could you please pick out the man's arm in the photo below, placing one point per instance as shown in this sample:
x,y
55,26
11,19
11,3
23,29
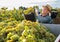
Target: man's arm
x,y
36,12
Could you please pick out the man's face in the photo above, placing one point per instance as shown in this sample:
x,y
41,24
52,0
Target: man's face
x,y
44,10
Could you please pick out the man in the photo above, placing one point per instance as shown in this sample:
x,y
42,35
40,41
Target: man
x,y
45,16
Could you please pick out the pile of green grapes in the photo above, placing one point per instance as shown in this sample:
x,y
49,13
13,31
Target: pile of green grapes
x,y
25,31
15,14
28,10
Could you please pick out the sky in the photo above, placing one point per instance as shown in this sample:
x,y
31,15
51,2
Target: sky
x,y
27,3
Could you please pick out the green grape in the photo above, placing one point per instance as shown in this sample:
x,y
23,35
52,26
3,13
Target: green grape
x,y
14,37
22,37
52,37
31,36
9,41
30,40
32,29
9,35
25,33
47,34
24,40
26,28
40,40
0,28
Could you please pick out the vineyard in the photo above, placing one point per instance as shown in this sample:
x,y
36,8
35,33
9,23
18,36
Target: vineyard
x,y
13,28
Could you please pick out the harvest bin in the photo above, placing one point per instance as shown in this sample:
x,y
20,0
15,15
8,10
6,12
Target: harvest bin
x,y
54,28
30,17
